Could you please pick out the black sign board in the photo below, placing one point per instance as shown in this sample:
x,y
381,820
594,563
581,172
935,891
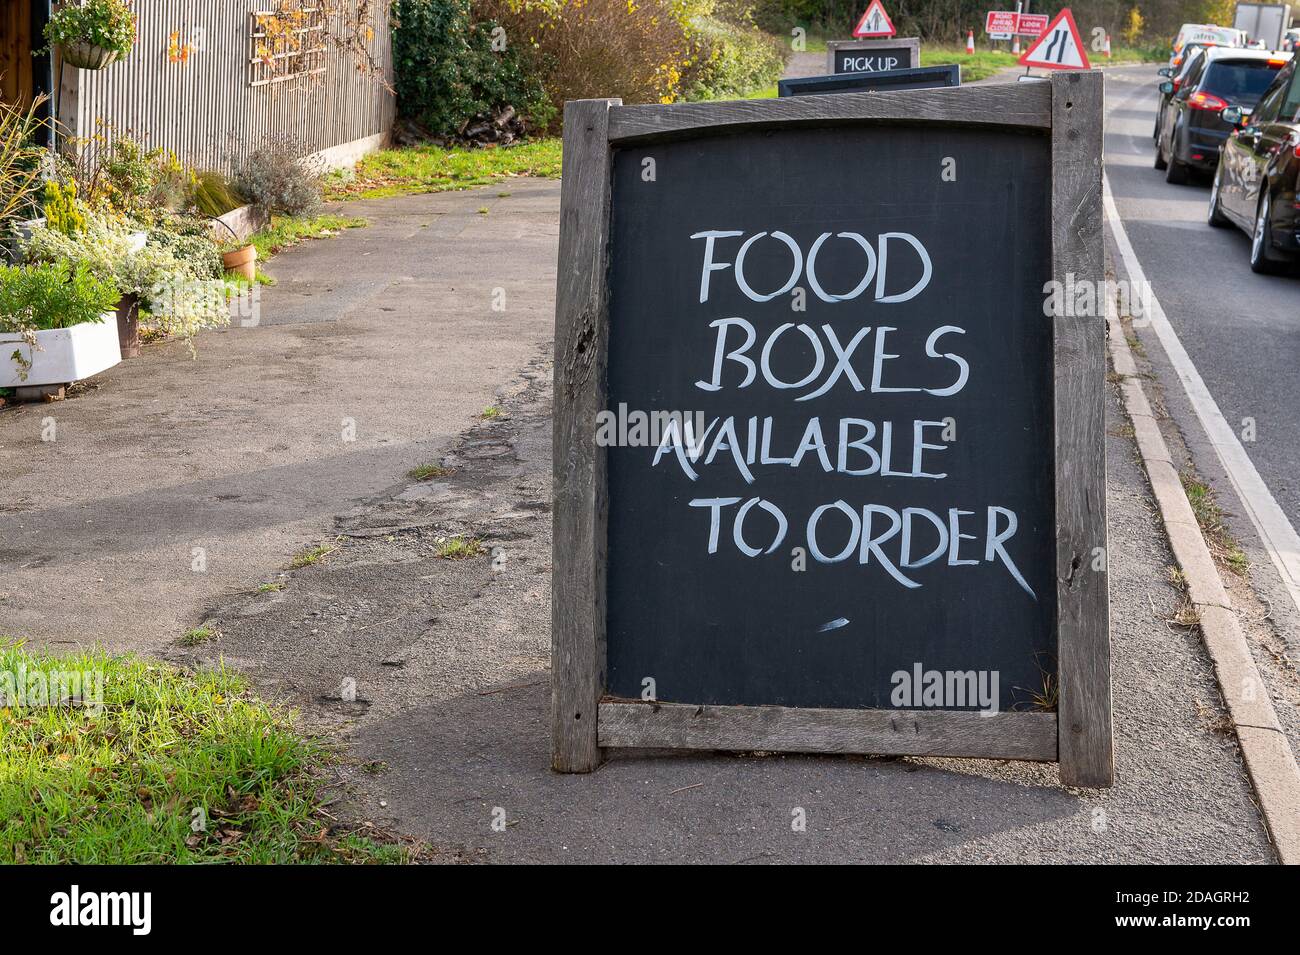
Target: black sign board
x,y
921,78
872,56
829,474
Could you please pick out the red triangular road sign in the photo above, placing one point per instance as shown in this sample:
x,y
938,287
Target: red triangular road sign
x,y
875,22
1059,47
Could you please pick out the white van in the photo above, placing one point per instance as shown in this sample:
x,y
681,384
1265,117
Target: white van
x,y
1208,34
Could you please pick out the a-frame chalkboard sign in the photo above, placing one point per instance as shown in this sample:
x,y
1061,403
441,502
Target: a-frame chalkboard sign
x,y
868,512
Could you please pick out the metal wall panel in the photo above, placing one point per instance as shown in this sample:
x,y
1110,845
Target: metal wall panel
x,y
204,109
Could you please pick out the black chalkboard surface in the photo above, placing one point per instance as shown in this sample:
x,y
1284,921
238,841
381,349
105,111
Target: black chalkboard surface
x,y
946,76
944,401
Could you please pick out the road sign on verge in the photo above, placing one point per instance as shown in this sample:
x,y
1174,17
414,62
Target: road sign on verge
x,y
1031,24
733,585
1059,47
1000,22
875,22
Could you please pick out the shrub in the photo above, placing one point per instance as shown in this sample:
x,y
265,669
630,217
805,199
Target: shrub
x,y
104,23
213,195
52,295
447,72
280,175
20,159
64,212
633,49
175,276
734,60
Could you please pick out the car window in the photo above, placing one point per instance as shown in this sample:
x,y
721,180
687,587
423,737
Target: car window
x,y
1269,104
1241,83
1290,112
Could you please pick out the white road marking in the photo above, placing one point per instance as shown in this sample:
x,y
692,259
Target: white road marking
x,y
833,624
1275,531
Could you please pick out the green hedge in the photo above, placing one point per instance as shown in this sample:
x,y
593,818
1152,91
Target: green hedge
x,y
446,70
735,59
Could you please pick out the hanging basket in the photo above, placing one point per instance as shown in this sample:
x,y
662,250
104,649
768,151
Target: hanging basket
x,y
87,56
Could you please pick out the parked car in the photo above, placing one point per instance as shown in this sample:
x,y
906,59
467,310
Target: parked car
x,y
1176,75
1191,129
1291,40
1257,183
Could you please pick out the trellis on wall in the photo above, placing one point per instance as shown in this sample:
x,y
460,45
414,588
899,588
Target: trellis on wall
x,y
287,45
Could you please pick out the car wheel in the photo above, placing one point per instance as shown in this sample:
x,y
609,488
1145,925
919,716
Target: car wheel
x,y
1160,155
1262,257
1216,217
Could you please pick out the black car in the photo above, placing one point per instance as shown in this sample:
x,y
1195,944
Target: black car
x,y
1191,130
1257,185
1176,72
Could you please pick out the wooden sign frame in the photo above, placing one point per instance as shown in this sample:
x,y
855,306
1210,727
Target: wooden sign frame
x,y
911,43
1067,109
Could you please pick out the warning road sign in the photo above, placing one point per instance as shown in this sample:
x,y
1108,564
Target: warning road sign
x,y
1031,24
1001,21
875,22
1059,47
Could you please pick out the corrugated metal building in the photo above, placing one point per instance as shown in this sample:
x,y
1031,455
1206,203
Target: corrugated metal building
x,y
206,82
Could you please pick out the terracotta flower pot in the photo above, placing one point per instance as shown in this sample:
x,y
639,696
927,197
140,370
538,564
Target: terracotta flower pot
x,y
128,326
241,261
87,56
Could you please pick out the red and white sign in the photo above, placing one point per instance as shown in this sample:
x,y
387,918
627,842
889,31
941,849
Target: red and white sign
x,y
875,22
1001,21
1032,24
1059,47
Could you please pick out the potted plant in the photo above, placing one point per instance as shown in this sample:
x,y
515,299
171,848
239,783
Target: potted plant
x,y
94,34
240,258
55,324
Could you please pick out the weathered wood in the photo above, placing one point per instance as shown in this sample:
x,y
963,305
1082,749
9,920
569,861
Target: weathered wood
x,y
1014,735
1083,603
1011,104
913,45
581,498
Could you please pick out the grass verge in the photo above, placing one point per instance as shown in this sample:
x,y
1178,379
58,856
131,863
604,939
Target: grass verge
x,y
1210,516
168,767
287,231
416,169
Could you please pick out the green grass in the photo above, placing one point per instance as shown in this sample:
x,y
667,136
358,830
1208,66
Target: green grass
x,y
492,411
427,471
1210,516
459,547
287,231
171,767
312,555
198,635
395,172
272,588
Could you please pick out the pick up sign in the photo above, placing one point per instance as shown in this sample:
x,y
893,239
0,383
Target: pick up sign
x,y
814,445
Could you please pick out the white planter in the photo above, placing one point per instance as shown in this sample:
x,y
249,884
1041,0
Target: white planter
x,y
64,354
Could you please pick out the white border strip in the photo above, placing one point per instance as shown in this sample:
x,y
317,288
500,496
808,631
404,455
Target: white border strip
x,y
1275,531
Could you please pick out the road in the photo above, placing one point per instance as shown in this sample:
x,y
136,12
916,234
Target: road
x,y
1241,331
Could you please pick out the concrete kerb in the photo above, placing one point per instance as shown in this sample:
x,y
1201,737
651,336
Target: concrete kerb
x,y
1269,761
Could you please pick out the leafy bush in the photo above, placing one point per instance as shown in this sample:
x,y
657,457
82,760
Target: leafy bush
x,y
52,295
633,49
63,211
447,72
105,23
280,175
176,276
213,194
734,60
20,160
